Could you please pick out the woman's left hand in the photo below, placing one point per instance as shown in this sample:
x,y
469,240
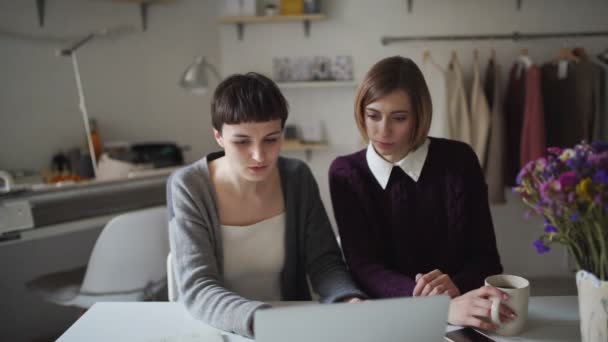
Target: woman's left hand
x,y
435,283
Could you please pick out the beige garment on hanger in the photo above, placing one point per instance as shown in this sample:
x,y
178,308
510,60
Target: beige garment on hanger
x,y
458,110
436,82
496,157
480,116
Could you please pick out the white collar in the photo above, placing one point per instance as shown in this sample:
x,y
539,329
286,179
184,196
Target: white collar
x,y
411,164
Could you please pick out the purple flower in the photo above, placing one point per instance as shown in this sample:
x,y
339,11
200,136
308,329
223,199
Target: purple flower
x,y
568,179
574,217
600,160
571,197
597,199
519,177
550,229
524,172
575,163
601,177
554,150
540,246
600,146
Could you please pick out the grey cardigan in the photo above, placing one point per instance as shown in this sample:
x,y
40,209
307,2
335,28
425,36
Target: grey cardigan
x,y
195,240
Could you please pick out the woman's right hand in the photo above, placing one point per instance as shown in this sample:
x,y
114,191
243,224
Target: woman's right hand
x,y
474,307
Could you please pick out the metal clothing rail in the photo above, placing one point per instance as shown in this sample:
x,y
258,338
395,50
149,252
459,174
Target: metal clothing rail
x,y
515,36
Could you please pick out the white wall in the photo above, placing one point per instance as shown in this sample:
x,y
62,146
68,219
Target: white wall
x,y
130,82
355,26
131,89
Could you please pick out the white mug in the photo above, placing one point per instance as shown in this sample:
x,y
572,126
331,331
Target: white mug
x,y
518,290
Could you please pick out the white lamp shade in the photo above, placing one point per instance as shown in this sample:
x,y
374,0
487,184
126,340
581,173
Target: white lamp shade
x,y
195,78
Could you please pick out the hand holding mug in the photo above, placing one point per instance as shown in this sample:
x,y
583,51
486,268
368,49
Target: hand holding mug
x,y
474,308
518,290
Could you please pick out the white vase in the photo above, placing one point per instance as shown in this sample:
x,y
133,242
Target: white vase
x,y
593,307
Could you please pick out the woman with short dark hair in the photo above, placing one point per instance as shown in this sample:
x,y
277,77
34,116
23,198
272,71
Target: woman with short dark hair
x,y
246,226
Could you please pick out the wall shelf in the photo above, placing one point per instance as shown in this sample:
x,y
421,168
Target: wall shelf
x,y
317,84
307,148
240,21
143,8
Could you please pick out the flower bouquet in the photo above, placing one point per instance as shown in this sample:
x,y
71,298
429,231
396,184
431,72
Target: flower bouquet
x,y
569,188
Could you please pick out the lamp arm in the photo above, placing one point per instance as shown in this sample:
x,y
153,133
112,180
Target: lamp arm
x,y
83,110
76,45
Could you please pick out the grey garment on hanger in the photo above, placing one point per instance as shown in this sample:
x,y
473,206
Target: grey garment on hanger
x,y
602,133
573,104
496,152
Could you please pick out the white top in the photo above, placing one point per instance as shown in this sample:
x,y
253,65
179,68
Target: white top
x,y
436,82
411,164
254,257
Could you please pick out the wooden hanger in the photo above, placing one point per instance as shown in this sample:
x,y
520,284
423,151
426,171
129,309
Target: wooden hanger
x,y
427,58
579,52
453,56
566,54
453,59
524,58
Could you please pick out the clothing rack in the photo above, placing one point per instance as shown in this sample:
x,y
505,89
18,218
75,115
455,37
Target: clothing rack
x,y
515,36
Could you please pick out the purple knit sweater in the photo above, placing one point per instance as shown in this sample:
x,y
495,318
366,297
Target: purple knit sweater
x,y
443,221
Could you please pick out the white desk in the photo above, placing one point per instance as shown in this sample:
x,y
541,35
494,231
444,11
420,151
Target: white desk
x,y
550,319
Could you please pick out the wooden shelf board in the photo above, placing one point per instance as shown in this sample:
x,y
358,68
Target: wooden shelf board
x,y
296,145
316,84
270,19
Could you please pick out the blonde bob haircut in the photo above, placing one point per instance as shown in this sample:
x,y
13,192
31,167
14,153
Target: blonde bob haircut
x,y
391,74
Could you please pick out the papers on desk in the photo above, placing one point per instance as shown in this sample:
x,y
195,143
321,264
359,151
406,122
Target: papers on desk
x,y
209,336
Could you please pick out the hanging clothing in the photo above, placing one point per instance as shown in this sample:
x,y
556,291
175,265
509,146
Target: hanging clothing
x,y
603,122
495,157
600,122
458,110
514,114
480,116
436,82
572,99
533,143
598,89
489,82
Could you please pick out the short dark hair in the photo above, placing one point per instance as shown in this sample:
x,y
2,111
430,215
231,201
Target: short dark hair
x,y
250,97
388,75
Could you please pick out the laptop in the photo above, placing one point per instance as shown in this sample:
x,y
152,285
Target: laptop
x,y
417,319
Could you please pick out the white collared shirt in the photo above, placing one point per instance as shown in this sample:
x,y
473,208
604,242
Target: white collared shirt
x,y
411,164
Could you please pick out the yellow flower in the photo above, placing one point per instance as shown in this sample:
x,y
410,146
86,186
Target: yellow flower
x,y
567,154
583,189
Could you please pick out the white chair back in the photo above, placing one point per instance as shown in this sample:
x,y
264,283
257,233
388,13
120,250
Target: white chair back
x,y
129,255
171,286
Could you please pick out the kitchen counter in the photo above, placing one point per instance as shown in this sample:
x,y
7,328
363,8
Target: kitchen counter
x,y
54,205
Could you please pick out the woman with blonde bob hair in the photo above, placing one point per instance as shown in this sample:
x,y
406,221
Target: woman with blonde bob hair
x,y
412,210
